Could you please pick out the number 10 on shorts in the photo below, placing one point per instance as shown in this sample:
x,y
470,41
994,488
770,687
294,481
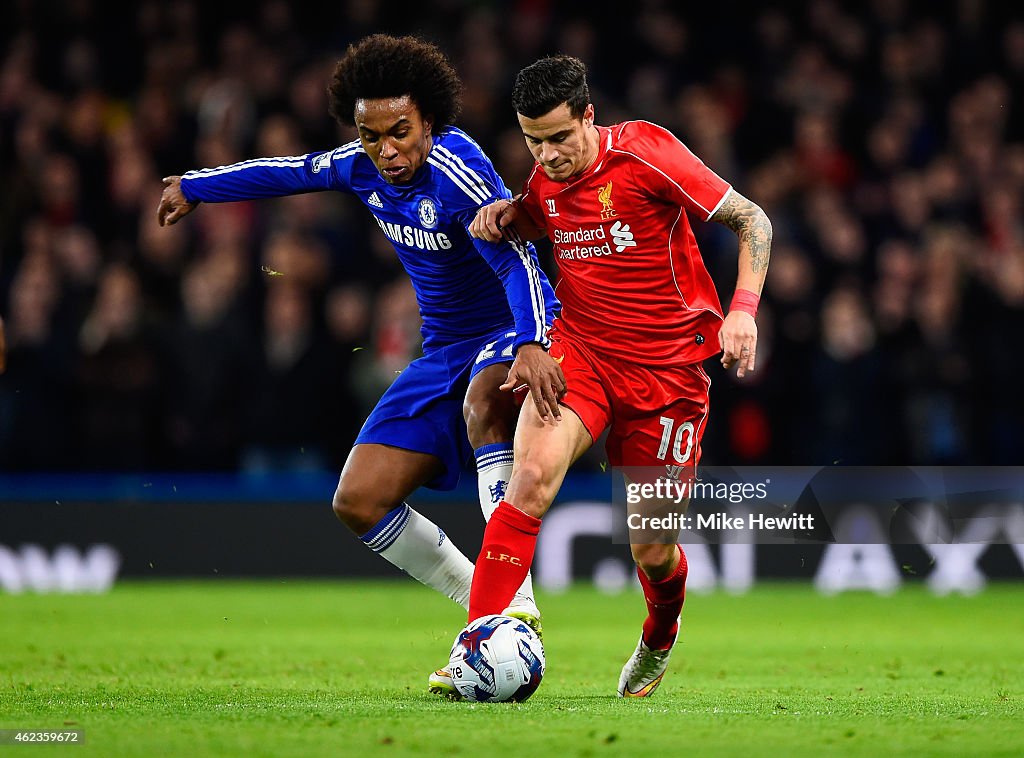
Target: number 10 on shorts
x,y
685,429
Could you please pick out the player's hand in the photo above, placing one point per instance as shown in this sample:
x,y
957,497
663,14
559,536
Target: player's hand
x,y
535,369
738,339
173,205
491,220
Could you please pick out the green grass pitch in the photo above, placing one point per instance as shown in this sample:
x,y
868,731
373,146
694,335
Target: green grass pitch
x,y
287,667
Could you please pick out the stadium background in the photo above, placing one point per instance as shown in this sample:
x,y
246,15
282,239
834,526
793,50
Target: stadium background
x,y
223,366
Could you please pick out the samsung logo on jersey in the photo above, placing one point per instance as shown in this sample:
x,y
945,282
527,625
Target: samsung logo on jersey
x,y
413,236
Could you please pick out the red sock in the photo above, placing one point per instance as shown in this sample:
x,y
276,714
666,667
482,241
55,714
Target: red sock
x,y
664,602
505,558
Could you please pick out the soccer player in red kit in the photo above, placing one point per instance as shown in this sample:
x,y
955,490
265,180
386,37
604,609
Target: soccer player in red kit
x,y
639,315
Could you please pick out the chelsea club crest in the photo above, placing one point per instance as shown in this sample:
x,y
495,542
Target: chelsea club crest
x,y
428,213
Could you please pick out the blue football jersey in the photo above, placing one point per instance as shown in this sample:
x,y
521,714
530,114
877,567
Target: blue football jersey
x,y
465,287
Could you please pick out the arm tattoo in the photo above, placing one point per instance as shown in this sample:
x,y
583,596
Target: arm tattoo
x,y
750,224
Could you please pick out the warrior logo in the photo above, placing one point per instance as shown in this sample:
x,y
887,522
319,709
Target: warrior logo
x,y
672,472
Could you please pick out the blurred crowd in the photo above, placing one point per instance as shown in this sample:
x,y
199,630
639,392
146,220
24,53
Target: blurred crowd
x,y
884,139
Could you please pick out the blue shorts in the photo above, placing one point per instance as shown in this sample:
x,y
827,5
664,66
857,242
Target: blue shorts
x,y
422,409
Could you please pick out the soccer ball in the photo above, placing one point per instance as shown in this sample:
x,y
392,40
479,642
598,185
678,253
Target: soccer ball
x,y
496,659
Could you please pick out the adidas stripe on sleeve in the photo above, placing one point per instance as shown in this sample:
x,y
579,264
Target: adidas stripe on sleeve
x,y
270,177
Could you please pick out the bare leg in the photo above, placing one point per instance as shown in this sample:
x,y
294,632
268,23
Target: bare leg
x,y
369,500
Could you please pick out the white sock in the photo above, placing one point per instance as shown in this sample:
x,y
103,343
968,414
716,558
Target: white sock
x,y
420,548
493,470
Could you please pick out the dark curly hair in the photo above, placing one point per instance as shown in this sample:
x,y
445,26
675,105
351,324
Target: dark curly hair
x,y
543,86
382,66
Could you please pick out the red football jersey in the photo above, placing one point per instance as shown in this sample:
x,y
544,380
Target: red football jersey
x,y
631,279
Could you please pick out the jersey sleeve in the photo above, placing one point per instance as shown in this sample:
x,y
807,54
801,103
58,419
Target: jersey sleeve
x,y
271,177
678,175
529,202
474,184
516,265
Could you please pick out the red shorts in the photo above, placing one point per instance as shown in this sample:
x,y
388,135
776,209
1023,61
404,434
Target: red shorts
x,y
657,414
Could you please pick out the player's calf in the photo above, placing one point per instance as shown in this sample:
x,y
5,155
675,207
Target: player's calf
x,y
664,597
656,561
532,489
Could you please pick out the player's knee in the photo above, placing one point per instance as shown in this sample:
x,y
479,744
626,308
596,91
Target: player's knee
x,y
489,420
655,560
356,507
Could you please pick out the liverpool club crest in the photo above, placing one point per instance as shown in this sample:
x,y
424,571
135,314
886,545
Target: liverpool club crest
x,y
605,196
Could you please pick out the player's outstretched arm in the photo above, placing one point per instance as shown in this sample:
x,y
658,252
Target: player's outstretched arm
x,y
738,335
173,205
254,179
535,369
493,220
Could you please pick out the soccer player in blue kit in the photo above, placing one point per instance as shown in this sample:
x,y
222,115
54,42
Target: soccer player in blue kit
x,y
484,305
